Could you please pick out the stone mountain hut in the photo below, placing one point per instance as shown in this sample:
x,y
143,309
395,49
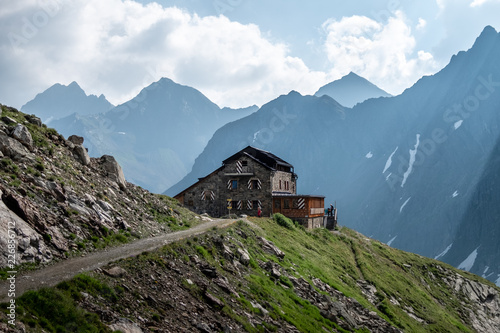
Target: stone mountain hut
x,y
252,179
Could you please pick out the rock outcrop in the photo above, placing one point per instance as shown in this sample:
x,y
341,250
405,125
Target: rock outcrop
x,y
114,170
14,149
61,201
22,134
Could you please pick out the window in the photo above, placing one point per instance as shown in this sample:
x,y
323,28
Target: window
x,y
280,184
256,204
286,204
237,204
255,184
244,163
234,184
277,204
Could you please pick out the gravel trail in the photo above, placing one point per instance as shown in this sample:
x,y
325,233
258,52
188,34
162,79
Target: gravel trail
x,y
64,270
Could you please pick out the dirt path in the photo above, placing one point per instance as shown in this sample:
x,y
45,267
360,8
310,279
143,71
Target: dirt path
x,y
66,269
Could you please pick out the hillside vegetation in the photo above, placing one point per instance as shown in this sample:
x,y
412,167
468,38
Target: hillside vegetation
x,y
260,276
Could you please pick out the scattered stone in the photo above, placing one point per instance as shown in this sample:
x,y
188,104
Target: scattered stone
x,y
125,326
209,271
223,283
8,120
273,269
115,272
244,256
260,307
270,248
107,207
213,300
33,120
203,328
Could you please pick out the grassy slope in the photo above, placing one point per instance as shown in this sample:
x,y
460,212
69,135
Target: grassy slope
x,y
338,259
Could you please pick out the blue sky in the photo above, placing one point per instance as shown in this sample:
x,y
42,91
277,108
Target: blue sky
x,y
236,52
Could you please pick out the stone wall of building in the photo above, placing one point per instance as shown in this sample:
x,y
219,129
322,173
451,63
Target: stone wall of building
x,y
310,222
252,188
284,182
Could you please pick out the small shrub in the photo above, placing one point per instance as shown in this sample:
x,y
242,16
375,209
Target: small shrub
x,y
283,221
15,183
202,251
39,166
120,238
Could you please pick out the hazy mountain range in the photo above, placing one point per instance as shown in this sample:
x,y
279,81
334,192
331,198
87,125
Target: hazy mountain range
x,y
418,171
155,136
60,101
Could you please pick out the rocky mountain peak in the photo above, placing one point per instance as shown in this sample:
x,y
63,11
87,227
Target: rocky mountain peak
x,y
351,89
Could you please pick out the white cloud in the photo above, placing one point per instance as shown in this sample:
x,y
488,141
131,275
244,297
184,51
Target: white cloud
x,y
117,47
383,53
441,3
478,3
421,24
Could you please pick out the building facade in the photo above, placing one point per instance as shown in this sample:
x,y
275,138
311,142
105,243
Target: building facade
x,y
251,179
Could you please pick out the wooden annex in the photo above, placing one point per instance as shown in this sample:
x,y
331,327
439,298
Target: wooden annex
x,y
252,179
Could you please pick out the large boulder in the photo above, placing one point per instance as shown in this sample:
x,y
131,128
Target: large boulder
x,y
14,149
33,120
30,245
82,154
23,135
24,209
75,139
114,170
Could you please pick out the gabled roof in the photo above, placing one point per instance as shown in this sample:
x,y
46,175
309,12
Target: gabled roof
x,y
267,159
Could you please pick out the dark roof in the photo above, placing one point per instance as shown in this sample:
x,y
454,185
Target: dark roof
x,y
199,180
263,157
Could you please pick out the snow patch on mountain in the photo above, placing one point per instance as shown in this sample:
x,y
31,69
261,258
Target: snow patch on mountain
x,y
469,261
458,124
389,160
403,205
442,254
413,154
455,194
392,240
369,155
485,273
255,135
